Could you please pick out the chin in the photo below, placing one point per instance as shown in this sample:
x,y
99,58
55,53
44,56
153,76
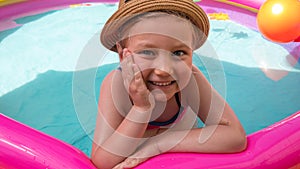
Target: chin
x,y
162,97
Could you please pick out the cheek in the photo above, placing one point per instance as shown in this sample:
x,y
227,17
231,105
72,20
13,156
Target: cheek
x,y
146,73
143,64
183,73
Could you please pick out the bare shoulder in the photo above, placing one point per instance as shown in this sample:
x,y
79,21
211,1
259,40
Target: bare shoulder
x,y
198,74
109,78
112,82
113,95
202,83
106,95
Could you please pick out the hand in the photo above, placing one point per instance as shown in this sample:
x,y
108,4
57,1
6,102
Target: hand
x,y
147,150
134,83
130,163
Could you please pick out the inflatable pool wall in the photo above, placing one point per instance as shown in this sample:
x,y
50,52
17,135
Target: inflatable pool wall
x,y
8,9
23,147
276,146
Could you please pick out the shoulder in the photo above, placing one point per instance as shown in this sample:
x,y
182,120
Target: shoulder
x,y
112,79
113,92
111,84
198,92
197,73
111,76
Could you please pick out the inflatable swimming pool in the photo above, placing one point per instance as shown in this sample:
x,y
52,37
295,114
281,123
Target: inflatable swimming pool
x,y
21,146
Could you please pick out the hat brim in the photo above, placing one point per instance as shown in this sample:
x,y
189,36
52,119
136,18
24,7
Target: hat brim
x,y
110,32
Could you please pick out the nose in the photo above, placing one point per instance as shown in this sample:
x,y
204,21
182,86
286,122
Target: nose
x,y
163,64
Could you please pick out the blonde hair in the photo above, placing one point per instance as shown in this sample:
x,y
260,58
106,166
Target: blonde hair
x,y
124,29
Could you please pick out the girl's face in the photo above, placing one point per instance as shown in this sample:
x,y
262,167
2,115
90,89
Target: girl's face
x,y
162,49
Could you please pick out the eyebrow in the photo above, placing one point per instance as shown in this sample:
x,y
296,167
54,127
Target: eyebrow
x,y
153,45
183,45
146,44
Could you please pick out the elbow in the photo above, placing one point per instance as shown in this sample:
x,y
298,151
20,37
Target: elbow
x,y
102,159
236,140
96,162
100,164
239,143
94,159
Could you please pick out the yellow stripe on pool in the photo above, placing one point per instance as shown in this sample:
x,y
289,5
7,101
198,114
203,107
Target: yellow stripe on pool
x,y
9,2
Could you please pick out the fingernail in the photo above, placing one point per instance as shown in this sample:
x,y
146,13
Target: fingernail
x,y
125,50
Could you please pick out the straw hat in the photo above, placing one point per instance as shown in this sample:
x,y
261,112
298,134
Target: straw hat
x,y
128,8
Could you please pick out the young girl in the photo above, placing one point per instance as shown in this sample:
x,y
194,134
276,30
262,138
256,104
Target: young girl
x,y
151,103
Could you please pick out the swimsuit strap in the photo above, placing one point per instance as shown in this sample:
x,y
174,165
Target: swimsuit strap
x,y
177,100
173,119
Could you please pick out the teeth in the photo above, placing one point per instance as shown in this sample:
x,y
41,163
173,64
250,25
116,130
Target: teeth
x,y
161,84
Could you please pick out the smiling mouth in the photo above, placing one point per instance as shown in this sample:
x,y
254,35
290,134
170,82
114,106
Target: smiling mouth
x,y
162,83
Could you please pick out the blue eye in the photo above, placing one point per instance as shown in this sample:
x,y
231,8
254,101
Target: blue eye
x,y
178,53
146,52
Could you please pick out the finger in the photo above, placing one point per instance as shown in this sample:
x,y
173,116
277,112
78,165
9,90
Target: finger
x,y
124,68
127,55
137,73
119,166
130,163
127,70
127,61
139,79
125,76
133,162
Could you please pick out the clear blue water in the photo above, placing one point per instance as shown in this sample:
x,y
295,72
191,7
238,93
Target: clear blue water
x,y
43,86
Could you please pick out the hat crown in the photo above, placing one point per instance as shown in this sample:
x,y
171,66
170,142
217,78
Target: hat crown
x,y
123,2
110,33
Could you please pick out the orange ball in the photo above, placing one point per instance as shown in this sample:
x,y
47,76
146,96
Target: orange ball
x,y
279,20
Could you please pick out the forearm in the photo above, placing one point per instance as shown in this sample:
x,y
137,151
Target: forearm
x,y
123,141
211,139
